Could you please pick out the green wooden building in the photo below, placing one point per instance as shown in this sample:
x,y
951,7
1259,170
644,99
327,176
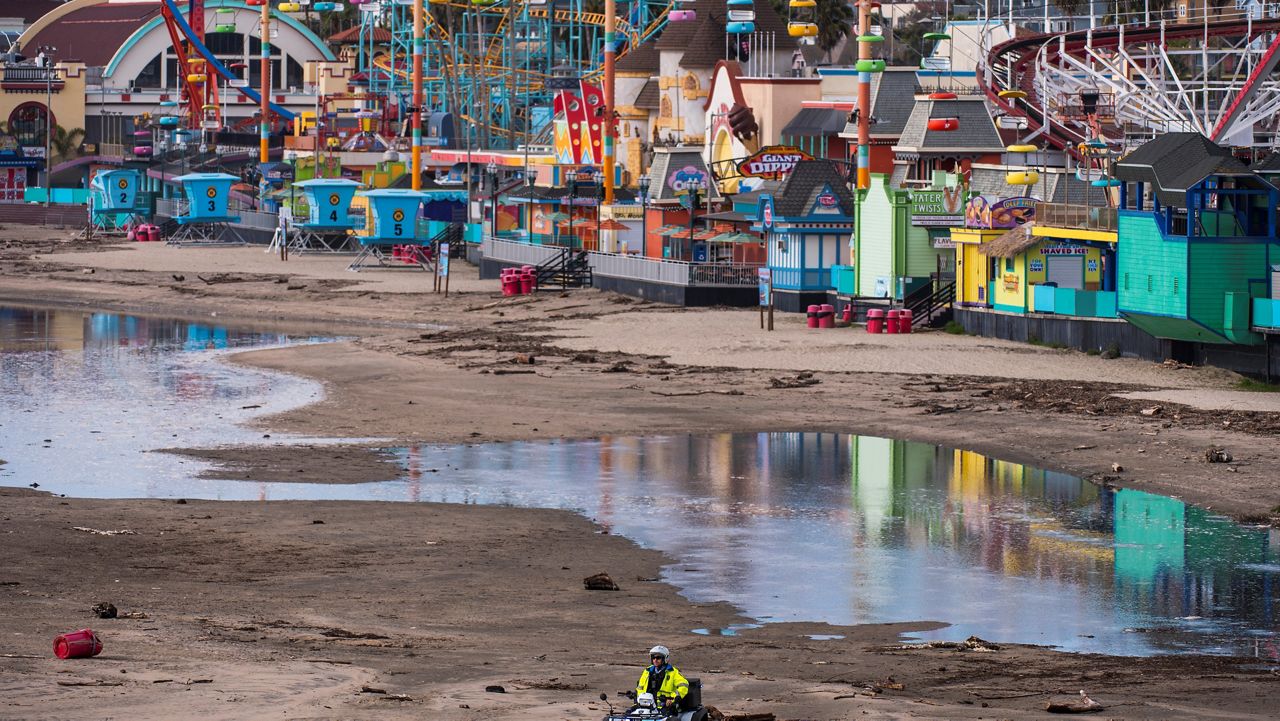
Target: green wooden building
x,y
1197,237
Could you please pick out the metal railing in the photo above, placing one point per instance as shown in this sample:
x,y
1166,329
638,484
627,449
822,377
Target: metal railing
x,y
175,207
1080,217
31,74
617,265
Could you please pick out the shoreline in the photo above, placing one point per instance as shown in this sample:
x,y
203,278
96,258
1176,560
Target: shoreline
x,y
269,568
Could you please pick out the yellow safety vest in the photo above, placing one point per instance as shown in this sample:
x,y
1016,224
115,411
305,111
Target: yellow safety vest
x,y
674,685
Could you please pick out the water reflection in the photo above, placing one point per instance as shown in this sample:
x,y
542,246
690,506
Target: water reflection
x,y
84,396
846,529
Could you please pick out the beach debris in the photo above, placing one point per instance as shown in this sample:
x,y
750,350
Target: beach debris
x,y
1083,705
973,643
742,716
621,366
104,610
95,682
1217,455
600,582
133,614
1117,468
524,359
583,358
799,380
512,372
96,532
344,633
1152,411
180,277
193,681
371,689
494,689
1084,448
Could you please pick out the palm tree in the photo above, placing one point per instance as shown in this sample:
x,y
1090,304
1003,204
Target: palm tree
x,y
65,143
836,20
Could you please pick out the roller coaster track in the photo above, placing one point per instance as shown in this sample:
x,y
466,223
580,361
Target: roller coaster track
x,y
1147,89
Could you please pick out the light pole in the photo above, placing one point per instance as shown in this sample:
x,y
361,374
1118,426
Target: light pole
x,y
644,213
46,53
492,167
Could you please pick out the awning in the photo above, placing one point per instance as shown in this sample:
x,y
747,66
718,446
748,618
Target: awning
x,y
671,229
729,215
1011,243
816,122
737,237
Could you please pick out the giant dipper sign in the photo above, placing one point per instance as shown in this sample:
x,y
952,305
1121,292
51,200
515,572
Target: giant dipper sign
x,y
773,162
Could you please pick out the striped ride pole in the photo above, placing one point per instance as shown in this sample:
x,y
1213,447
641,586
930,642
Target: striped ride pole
x,y
610,53
864,98
418,52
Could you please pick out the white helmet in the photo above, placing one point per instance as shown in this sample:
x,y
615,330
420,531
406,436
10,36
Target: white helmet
x,y
660,651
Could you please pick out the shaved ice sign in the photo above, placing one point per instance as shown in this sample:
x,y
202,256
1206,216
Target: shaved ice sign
x,y
772,163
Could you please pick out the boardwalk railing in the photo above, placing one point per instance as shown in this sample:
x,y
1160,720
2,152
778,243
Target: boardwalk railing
x,y
617,265
174,207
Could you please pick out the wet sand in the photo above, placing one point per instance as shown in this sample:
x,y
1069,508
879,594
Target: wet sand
x,y
435,602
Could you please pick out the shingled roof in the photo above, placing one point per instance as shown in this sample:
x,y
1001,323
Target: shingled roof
x,y
648,98
800,190
641,59
1175,162
94,33
977,130
666,162
892,100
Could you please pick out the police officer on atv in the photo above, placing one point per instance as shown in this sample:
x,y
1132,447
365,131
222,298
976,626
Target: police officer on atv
x,y
663,680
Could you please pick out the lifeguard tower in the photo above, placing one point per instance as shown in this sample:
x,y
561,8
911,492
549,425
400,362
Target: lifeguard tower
x,y
328,226
206,220
112,197
393,223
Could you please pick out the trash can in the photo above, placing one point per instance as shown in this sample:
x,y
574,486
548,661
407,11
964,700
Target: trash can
x,y
875,320
891,321
812,316
904,321
826,316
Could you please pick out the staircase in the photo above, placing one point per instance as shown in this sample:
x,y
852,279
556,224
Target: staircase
x,y
568,269
931,305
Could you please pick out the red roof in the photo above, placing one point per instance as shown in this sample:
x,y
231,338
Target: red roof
x,y
94,34
29,10
351,36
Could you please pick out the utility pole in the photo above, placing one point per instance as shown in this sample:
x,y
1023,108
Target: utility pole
x,y
864,98
48,123
264,128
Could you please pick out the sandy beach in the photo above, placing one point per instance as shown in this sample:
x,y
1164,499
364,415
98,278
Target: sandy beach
x,y
328,610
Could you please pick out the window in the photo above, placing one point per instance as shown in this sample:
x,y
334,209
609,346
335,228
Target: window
x,y
293,73
149,77
27,124
1008,265
1150,284
1126,281
1175,285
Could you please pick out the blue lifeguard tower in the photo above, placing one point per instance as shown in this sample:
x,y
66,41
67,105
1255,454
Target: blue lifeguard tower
x,y
206,219
328,222
394,222
113,195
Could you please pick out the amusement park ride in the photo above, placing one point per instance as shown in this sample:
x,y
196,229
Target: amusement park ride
x,y
512,73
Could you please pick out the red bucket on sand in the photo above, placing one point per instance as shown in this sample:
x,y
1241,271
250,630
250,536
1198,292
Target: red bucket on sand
x,y
77,644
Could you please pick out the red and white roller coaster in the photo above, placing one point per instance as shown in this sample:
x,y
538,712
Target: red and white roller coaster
x,y
1125,84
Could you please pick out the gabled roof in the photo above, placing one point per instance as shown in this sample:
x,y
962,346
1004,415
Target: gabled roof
x,y
1269,164
977,130
1175,162
798,193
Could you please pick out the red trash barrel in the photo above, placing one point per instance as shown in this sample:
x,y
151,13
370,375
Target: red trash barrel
x,y
77,644
875,320
891,321
526,282
153,233
507,287
132,236
812,316
847,316
904,321
826,316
